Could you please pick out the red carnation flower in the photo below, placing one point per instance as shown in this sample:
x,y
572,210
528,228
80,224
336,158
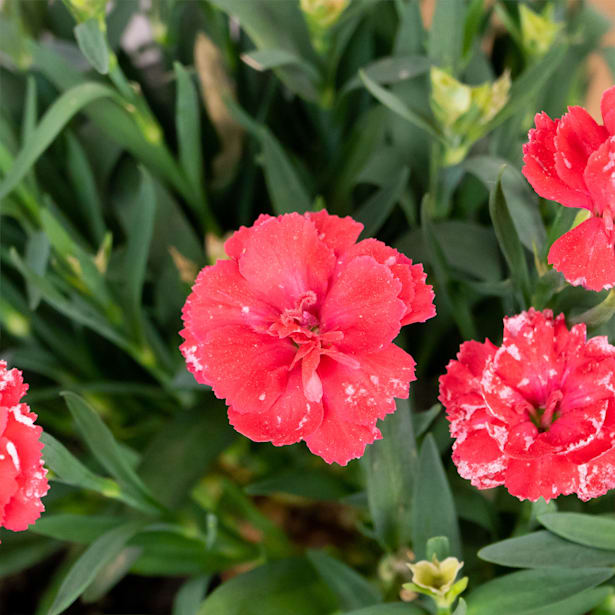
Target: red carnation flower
x,y
295,331
536,414
572,161
22,476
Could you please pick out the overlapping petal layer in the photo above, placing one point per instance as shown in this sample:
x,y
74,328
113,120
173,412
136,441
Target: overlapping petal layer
x,y
572,161
22,476
536,414
295,331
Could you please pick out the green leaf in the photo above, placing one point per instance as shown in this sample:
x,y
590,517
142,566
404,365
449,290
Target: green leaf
x,y
390,608
374,212
474,17
36,258
277,25
190,595
468,247
84,183
79,312
103,445
24,550
97,555
508,239
54,120
422,420
433,508
462,608
531,592
76,528
285,188
71,471
30,113
588,530
437,547
111,574
544,550
267,59
390,468
312,484
277,588
393,69
522,202
183,450
351,589
137,249
93,45
395,104
446,34
188,126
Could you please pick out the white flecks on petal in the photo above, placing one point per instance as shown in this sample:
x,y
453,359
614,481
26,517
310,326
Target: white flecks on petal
x,y
12,451
262,397
513,351
20,417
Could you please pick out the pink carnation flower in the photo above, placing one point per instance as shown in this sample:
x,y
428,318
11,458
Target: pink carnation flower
x,y
536,414
572,161
295,331
22,476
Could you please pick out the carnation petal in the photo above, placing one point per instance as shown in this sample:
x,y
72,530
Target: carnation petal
x,y
607,105
289,420
338,441
221,297
416,295
479,459
235,245
337,233
546,477
284,259
578,135
597,476
250,370
585,256
540,166
366,394
600,178
363,303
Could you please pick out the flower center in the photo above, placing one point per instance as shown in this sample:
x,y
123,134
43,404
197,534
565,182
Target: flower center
x,y
302,326
544,416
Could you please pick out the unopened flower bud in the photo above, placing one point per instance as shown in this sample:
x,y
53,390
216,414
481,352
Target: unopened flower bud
x,y
82,10
538,30
323,13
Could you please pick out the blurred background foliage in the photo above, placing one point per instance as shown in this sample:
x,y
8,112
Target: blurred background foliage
x,y
134,136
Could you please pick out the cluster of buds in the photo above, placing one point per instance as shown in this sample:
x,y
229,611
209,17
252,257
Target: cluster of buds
x,y
464,111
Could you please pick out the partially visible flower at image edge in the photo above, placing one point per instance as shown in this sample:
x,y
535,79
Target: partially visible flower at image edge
x,y
295,331
571,160
536,414
22,477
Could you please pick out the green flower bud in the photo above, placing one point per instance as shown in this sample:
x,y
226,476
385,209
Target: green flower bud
x,y
538,30
323,13
450,99
464,111
82,10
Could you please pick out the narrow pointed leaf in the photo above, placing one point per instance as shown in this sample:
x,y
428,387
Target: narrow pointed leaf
x,y
433,508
